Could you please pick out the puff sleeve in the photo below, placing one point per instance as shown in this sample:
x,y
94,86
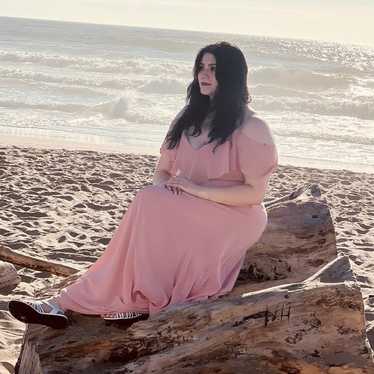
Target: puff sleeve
x,y
257,161
168,156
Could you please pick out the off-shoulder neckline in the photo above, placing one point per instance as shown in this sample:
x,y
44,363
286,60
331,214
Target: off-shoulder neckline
x,y
237,130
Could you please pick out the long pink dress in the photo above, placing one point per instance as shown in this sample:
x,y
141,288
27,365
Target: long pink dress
x,y
171,249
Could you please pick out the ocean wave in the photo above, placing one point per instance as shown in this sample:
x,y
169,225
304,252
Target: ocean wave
x,y
164,86
306,80
123,73
358,109
117,66
272,90
69,108
44,78
356,59
334,137
41,58
159,85
114,109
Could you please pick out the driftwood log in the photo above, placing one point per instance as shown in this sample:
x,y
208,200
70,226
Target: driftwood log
x,y
315,326
9,278
52,267
279,318
299,240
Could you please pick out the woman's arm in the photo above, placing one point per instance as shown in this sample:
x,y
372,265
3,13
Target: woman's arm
x,y
164,164
160,176
231,195
243,194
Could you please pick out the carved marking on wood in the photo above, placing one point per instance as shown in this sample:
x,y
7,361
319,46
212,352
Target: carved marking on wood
x,y
269,316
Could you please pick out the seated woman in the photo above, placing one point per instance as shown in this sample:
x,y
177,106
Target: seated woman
x,y
185,237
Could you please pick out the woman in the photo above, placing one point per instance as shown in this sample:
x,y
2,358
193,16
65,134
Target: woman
x,y
185,237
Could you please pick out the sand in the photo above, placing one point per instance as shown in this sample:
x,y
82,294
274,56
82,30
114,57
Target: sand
x,y
64,205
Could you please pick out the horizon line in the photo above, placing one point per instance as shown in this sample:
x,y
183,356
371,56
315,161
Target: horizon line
x,y
197,31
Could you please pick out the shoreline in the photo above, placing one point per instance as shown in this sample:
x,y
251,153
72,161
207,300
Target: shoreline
x,y
42,143
47,144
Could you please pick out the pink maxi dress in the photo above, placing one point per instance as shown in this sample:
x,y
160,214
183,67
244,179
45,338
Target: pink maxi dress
x,y
172,249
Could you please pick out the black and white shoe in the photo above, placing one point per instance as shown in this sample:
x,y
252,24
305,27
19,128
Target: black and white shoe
x,y
43,312
120,316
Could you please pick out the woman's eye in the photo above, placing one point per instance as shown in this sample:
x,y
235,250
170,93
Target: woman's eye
x,y
212,68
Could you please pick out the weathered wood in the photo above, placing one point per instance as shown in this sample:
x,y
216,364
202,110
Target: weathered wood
x,y
309,187
298,241
316,326
52,267
9,278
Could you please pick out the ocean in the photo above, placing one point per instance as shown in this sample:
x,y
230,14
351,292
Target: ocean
x,y
119,87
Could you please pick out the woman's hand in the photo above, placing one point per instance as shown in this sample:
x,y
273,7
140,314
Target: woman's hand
x,y
178,184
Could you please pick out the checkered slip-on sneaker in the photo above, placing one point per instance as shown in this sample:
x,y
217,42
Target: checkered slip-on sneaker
x,y
120,316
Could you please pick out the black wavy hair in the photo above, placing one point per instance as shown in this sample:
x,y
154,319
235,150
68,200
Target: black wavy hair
x,y
228,104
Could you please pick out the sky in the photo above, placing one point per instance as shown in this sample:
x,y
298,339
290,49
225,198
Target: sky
x,y
345,21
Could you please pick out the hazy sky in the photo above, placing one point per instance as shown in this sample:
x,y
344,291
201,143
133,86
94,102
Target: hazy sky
x,y
347,21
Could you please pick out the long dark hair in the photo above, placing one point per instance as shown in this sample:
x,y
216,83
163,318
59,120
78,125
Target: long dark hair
x,y
229,101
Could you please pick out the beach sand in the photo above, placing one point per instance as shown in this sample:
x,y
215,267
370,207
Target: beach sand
x,y
63,205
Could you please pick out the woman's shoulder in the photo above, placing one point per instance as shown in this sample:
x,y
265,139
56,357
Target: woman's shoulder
x,y
256,128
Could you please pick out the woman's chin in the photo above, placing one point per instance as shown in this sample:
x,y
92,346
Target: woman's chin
x,y
205,93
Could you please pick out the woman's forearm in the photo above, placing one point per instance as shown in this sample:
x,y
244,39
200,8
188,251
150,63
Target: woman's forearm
x,y
231,195
160,176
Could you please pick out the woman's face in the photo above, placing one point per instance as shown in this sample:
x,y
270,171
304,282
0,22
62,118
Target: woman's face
x,y
207,75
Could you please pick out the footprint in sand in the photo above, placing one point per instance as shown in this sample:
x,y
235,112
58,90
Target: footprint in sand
x,y
103,186
362,231
357,260
61,239
341,196
4,232
29,215
346,182
66,197
352,212
100,240
25,208
78,244
365,227
32,232
354,197
93,180
85,188
79,205
38,189
73,233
